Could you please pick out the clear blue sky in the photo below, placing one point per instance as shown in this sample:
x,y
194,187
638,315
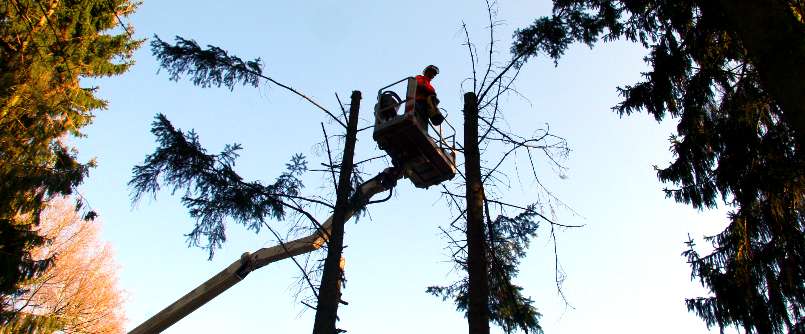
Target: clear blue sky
x,y
624,269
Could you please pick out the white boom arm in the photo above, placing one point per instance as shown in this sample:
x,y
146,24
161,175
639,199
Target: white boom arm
x,y
249,262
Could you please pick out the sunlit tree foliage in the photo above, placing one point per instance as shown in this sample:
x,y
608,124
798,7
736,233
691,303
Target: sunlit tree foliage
x,y
731,73
78,292
46,48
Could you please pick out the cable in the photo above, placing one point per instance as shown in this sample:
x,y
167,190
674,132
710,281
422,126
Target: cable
x,y
391,191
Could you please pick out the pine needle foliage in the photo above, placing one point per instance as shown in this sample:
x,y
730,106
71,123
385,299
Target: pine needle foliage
x,y
213,190
46,48
736,140
31,323
508,307
214,66
208,67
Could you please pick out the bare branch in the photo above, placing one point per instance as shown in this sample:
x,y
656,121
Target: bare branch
x,y
527,210
472,57
559,276
306,98
319,228
494,115
489,10
329,154
341,105
293,258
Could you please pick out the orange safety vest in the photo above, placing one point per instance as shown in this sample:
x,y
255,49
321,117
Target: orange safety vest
x,y
423,88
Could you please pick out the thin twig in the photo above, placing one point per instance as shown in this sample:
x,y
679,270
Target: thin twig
x,y
366,128
307,199
329,154
319,228
491,46
341,105
514,61
357,163
293,258
494,115
308,305
472,57
306,98
558,273
527,210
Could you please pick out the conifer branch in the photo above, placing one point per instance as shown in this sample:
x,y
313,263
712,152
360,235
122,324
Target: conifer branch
x,y
215,67
739,135
213,190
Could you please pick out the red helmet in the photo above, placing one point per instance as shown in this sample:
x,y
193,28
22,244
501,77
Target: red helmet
x,y
431,67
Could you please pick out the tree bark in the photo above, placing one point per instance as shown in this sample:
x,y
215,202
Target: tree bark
x,y
478,289
775,43
330,289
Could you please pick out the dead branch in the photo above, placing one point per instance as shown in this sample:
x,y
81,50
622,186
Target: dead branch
x,y
329,153
293,258
472,56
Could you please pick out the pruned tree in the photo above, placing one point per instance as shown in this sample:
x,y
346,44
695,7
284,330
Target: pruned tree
x,y
498,242
78,293
731,73
46,48
214,192
495,234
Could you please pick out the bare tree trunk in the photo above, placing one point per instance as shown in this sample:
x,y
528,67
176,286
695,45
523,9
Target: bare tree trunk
x,y
478,290
330,290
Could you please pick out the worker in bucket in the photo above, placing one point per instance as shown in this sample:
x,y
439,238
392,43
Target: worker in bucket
x,y
426,105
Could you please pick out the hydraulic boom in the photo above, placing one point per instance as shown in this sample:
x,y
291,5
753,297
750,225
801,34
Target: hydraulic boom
x,y
249,262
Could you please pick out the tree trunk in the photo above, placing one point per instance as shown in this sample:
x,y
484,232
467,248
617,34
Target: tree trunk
x,y
330,289
478,290
775,43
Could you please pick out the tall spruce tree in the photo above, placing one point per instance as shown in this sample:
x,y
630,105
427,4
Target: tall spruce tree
x,y
46,47
215,192
496,234
731,73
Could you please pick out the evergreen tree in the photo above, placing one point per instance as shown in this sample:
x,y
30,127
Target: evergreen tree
x,y
209,180
214,191
731,72
46,47
489,245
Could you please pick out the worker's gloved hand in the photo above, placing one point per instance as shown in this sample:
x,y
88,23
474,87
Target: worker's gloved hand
x,y
437,118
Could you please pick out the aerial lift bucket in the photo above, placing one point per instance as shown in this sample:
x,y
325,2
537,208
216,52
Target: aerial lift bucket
x,y
425,160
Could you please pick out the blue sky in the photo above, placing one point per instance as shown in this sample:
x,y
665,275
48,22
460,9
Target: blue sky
x,y
624,269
